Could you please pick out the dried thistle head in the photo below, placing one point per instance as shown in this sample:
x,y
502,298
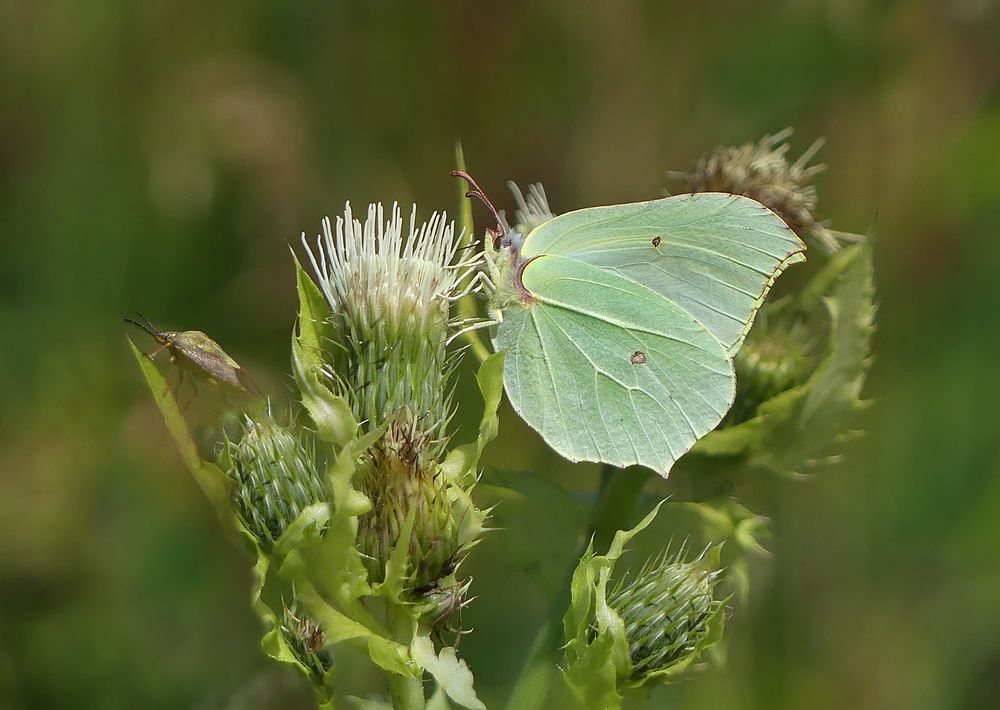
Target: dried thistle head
x,y
390,293
762,172
275,476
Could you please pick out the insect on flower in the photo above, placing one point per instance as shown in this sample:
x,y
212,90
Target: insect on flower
x,y
198,356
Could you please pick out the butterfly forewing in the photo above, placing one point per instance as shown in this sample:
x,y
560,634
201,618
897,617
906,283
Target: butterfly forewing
x,y
713,254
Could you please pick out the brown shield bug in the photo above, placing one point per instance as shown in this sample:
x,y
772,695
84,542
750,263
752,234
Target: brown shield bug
x,y
198,356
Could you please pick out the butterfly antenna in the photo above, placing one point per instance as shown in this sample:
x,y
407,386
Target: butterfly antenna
x,y
477,192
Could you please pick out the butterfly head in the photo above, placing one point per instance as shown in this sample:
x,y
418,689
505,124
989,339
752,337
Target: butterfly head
x,y
503,253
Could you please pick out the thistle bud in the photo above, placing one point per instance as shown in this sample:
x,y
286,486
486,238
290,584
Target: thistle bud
x,y
390,294
668,611
762,172
779,353
275,476
307,642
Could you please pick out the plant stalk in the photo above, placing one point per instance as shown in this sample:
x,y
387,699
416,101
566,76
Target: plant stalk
x,y
616,497
468,308
406,693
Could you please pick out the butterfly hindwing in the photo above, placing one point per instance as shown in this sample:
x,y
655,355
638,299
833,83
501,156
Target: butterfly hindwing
x,y
608,370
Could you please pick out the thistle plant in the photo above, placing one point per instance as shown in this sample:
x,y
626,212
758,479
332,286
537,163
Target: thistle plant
x,y
646,629
360,509
390,297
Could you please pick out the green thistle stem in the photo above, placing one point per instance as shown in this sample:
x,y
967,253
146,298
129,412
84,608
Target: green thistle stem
x,y
406,693
467,307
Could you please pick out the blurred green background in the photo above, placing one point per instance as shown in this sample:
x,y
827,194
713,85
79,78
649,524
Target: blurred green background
x,y
161,156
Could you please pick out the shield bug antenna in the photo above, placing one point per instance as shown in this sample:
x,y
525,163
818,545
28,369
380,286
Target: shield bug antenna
x,y
144,324
477,192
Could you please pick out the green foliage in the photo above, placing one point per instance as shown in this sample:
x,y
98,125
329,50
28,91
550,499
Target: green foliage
x,y
335,423
732,528
451,673
211,478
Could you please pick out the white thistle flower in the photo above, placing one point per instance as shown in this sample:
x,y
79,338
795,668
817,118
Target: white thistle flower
x,y
419,272
532,210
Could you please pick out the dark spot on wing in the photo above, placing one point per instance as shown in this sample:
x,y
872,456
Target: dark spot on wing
x,y
656,241
638,358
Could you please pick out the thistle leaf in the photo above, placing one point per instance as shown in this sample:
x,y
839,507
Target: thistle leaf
x,y
462,462
396,566
335,423
728,522
450,672
213,481
367,703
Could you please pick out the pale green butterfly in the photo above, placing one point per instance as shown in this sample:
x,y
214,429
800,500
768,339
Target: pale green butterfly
x,y
620,323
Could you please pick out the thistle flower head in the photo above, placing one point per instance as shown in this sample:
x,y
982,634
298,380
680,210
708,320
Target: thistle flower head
x,y
275,476
762,172
390,293
668,610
